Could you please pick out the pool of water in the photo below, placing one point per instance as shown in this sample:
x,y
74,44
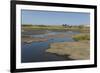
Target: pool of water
x,y
36,51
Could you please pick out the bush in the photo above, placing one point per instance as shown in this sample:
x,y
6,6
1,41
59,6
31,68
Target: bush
x,y
81,37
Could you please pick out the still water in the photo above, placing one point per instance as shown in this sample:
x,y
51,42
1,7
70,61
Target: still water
x,y
36,51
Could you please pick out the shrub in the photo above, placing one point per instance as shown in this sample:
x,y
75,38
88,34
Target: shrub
x,y
80,37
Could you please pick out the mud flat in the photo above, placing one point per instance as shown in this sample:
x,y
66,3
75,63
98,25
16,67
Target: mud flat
x,y
30,40
59,35
76,50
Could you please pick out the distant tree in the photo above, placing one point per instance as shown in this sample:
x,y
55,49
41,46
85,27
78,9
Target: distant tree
x,y
65,25
80,26
42,25
27,25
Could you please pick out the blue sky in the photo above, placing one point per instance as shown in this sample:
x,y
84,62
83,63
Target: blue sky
x,y
54,18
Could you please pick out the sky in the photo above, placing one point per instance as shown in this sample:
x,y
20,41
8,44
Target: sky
x,y
54,18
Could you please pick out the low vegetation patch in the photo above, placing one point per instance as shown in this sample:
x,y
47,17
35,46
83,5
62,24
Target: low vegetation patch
x,y
79,28
81,37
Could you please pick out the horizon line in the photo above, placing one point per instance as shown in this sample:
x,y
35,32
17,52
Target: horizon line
x,y
55,24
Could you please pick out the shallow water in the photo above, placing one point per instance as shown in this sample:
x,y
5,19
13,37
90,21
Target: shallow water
x,y
36,51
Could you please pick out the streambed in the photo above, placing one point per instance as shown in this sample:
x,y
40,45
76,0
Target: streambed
x,y
36,51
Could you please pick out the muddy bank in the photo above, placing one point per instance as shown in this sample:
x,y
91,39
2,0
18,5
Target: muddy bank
x,y
31,39
59,35
33,32
75,50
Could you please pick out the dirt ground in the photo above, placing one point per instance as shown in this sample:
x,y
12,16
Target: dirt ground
x,y
76,50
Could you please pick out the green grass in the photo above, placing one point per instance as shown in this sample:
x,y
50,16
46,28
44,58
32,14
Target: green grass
x,y
58,27
34,27
81,37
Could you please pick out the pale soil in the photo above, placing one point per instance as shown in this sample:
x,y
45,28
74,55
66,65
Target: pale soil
x,y
75,50
30,40
59,35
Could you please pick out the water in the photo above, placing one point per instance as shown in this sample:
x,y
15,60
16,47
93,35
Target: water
x,y
36,51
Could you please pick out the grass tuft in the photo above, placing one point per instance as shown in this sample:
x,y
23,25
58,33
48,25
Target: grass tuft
x,y
81,37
